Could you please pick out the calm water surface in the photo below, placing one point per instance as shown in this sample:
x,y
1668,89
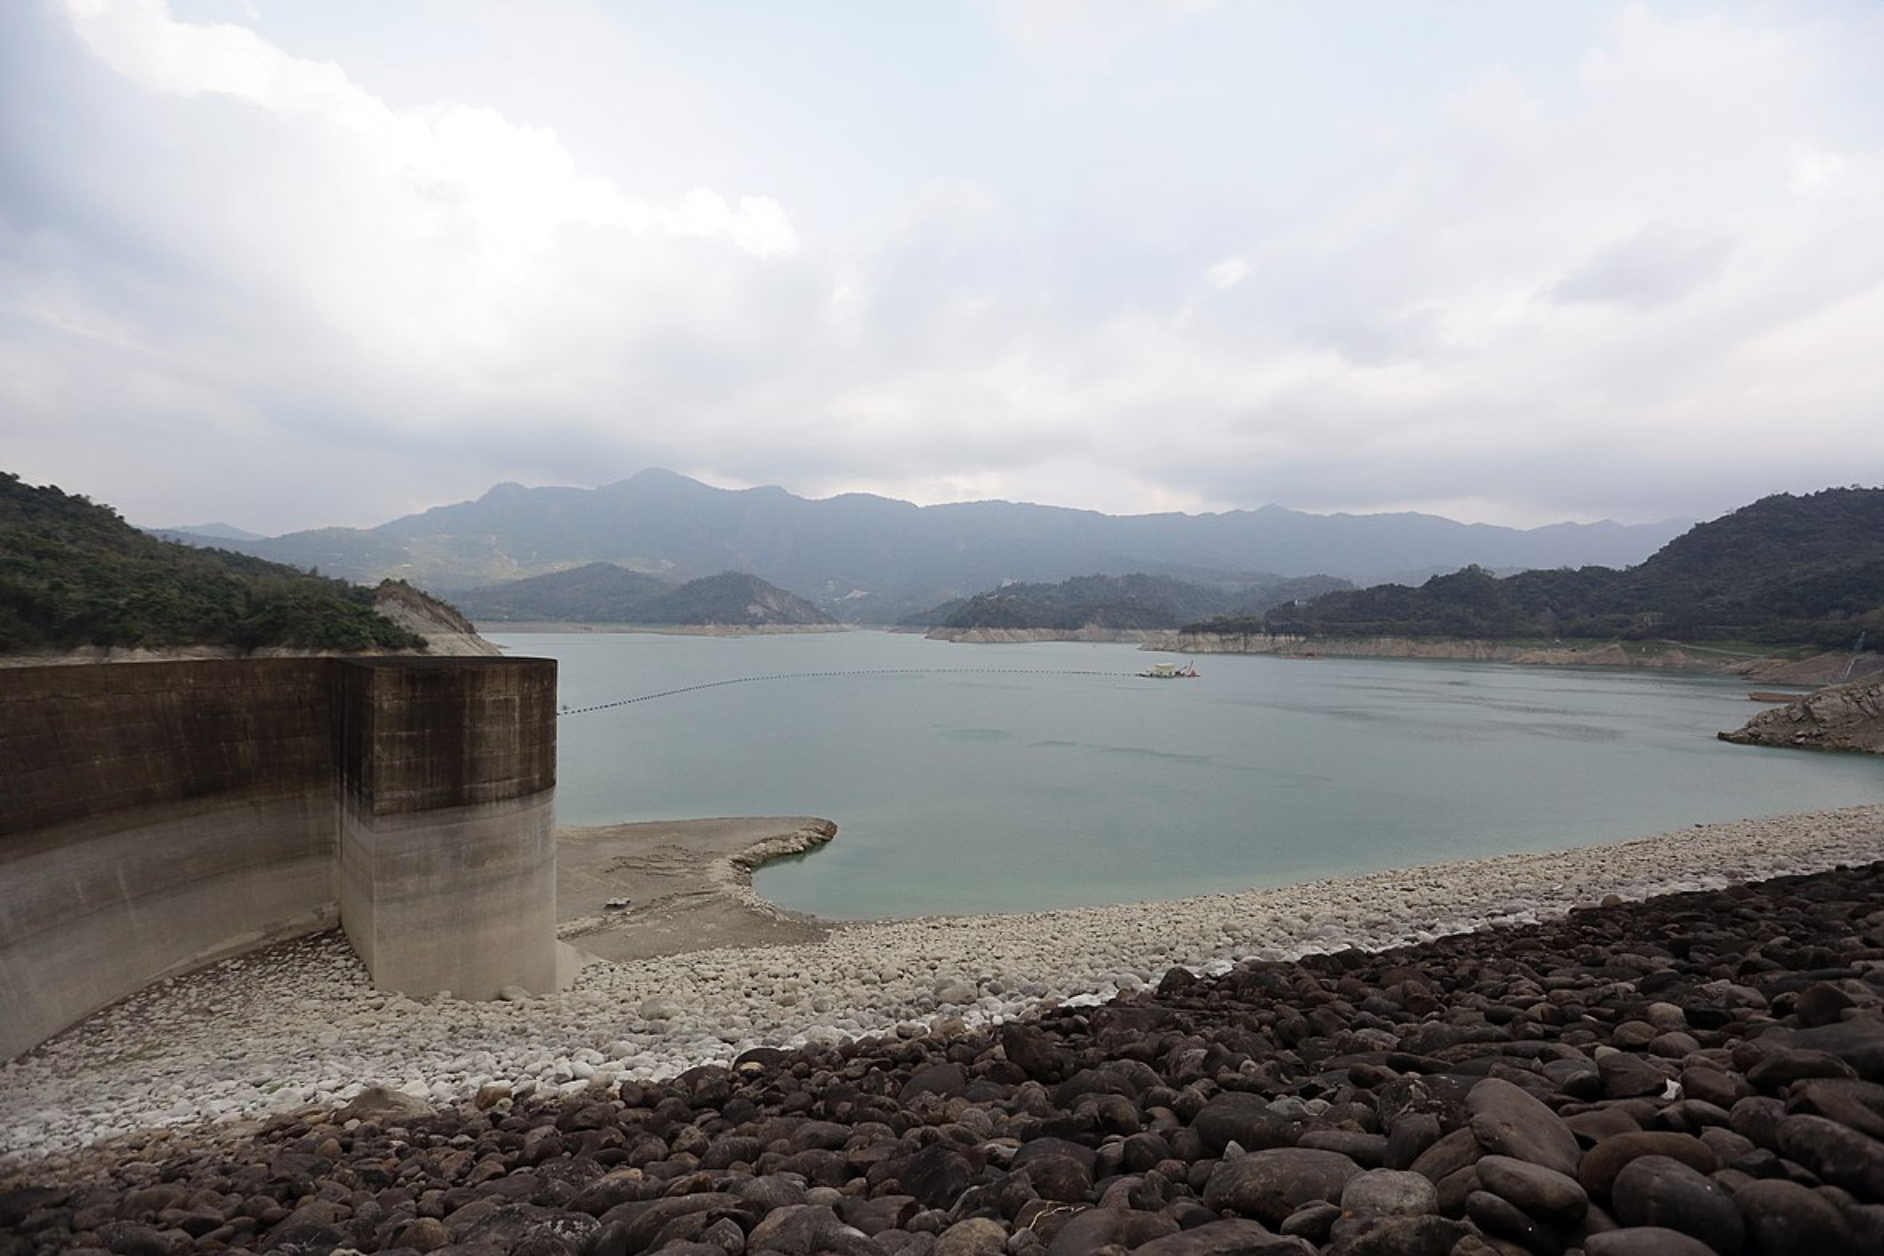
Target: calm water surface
x,y
993,778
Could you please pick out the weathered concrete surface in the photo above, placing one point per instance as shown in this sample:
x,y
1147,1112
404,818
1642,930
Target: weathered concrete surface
x,y
460,899
156,816
445,777
79,742
421,734
94,910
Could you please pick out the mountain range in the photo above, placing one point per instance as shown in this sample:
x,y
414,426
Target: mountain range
x,y
869,559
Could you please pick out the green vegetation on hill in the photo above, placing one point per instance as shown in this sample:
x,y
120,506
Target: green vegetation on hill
x,y
737,598
1118,603
1794,570
597,593
72,573
603,593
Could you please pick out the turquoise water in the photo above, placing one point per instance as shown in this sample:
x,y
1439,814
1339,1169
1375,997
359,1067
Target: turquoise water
x,y
998,778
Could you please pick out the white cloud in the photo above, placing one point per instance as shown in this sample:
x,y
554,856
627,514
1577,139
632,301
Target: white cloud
x,y
1653,267
1227,273
516,183
1815,170
1249,258
1087,33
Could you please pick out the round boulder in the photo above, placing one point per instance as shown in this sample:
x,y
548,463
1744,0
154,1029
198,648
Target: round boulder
x,y
1390,1192
1645,1240
1245,1119
1783,1217
1269,1185
1662,1191
1611,1155
976,1236
1543,1193
1837,1153
1511,1122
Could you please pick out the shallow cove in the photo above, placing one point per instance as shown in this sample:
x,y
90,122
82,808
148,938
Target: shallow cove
x,y
1005,778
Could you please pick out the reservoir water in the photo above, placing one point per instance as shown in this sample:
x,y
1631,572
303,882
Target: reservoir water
x,y
969,778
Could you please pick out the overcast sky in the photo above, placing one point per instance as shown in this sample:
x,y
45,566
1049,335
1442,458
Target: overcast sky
x,y
287,263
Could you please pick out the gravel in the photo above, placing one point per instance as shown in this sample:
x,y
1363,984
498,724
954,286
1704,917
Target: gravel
x,y
299,1025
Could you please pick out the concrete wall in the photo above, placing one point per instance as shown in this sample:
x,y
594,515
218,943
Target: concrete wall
x,y
447,834
157,816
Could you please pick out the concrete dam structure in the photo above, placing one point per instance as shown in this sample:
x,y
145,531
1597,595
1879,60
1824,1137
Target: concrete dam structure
x,y
157,816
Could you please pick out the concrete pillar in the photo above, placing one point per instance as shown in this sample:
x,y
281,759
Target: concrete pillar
x,y
445,779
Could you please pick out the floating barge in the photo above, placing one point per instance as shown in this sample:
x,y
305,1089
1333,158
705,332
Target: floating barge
x,y
1170,671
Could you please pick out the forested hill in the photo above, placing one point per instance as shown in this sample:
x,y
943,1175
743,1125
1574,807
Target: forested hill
x,y
1136,601
603,593
1785,569
72,573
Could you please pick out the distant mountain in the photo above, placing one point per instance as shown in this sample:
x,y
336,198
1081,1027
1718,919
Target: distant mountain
x,y
734,598
1787,569
197,533
603,593
72,573
871,559
1137,601
600,593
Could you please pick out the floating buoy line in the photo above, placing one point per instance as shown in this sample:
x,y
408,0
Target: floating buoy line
x,y
860,671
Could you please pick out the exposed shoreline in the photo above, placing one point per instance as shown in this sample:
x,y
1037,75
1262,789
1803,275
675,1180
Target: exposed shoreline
x,y
1780,667
1149,638
298,1025
627,892
525,628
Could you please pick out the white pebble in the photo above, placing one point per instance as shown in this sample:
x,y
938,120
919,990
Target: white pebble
x,y
301,1025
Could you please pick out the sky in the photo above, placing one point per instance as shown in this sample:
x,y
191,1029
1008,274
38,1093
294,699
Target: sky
x,y
297,263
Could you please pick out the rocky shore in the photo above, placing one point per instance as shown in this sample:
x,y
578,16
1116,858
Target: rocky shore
x,y
1022,636
1709,1064
1817,669
1697,1073
1838,717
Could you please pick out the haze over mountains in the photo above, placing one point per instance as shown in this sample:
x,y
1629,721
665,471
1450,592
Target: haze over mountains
x,y
602,593
873,559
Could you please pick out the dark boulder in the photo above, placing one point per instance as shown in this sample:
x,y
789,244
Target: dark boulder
x,y
1269,1185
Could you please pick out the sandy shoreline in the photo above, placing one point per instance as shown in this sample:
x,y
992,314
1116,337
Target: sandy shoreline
x,y
628,892
298,1025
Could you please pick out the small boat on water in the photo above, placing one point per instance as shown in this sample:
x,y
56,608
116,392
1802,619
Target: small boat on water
x,y
1170,671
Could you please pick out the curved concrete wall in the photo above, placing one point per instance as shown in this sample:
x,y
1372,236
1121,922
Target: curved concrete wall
x,y
157,816
447,847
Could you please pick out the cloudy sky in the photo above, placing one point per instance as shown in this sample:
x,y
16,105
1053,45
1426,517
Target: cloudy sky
x,y
288,263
